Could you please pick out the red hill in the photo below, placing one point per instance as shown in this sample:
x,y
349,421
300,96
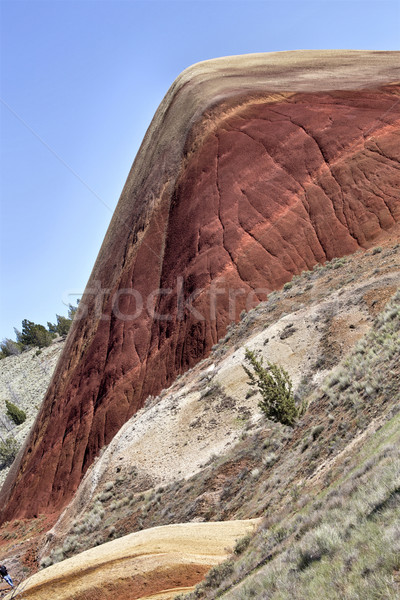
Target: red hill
x,y
254,168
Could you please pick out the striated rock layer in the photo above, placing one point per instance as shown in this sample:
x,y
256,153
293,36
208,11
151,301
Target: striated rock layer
x,y
254,168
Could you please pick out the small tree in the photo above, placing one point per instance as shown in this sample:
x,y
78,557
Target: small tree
x,y
275,387
33,334
61,327
63,323
15,414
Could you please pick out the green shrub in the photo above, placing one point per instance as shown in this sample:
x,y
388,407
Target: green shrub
x,y
14,413
217,574
243,544
274,383
8,451
339,263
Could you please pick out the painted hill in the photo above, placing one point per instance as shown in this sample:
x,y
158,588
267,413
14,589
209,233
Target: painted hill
x,y
158,562
254,168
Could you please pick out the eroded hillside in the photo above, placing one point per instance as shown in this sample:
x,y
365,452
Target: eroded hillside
x,y
327,490
213,457
278,162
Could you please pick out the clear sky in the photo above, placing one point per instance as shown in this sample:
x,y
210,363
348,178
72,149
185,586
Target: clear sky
x,y
80,82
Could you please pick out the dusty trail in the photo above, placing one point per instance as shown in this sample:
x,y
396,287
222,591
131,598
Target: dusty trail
x,y
156,563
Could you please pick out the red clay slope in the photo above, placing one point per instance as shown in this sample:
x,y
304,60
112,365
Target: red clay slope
x,y
253,169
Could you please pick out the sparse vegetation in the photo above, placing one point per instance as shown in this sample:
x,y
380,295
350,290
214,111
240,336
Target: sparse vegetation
x,y
36,335
242,544
343,540
363,376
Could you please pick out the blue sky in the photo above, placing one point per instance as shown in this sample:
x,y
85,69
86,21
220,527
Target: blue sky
x,y
80,82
